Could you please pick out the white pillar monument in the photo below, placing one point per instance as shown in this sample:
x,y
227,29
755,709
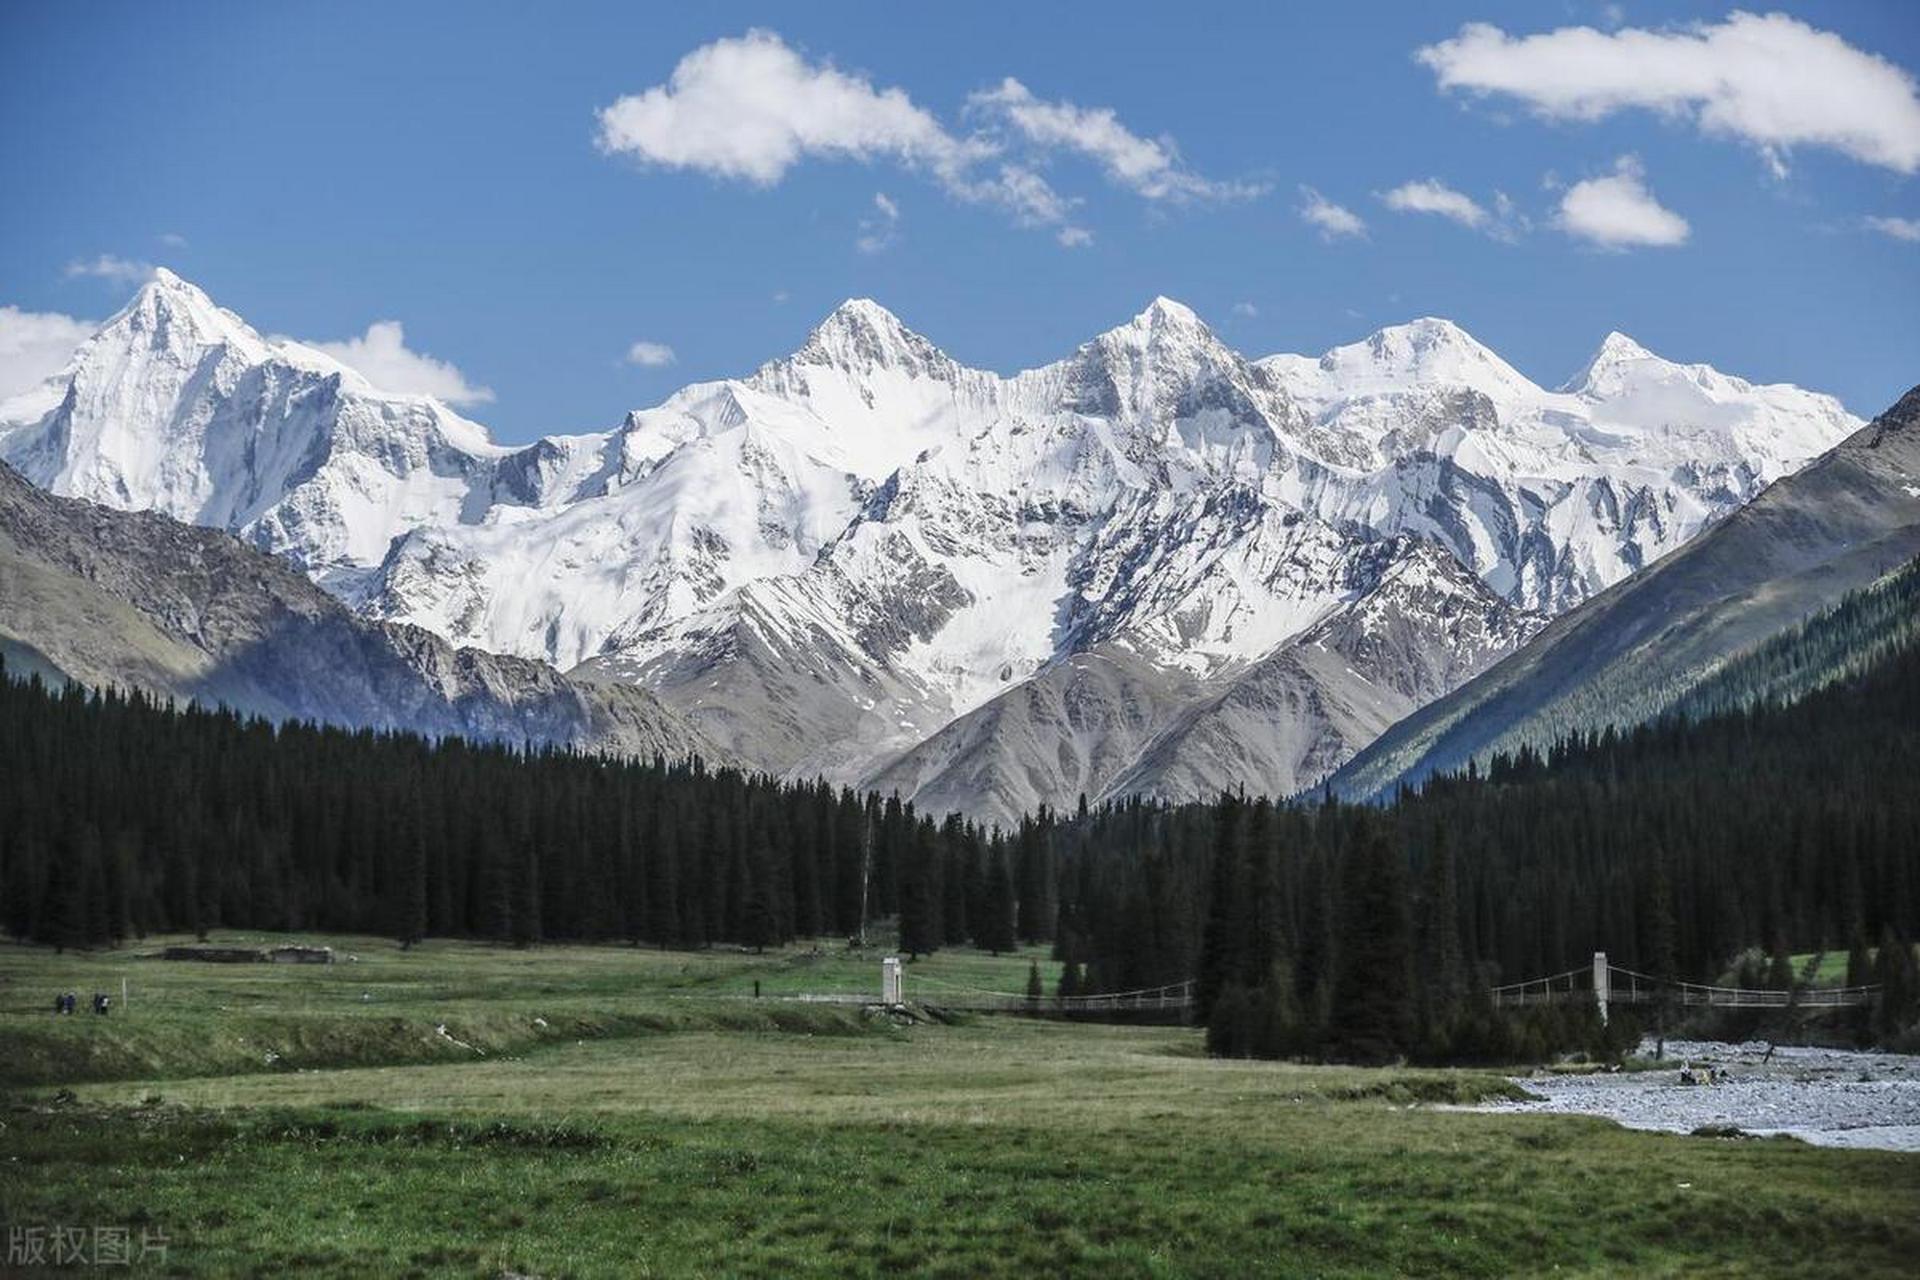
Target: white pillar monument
x,y
1600,992
890,981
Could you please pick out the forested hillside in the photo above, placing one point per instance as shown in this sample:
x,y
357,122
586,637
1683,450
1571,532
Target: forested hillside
x,y
1631,653
1352,929
1852,637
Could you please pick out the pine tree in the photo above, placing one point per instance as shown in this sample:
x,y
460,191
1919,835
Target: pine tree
x,y
1372,1015
1033,874
410,896
1779,968
1276,1028
663,881
62,918
919,896
494,909
1223,943
1897,1004
1442,985
762,925
1231,1022
994,932
1859,960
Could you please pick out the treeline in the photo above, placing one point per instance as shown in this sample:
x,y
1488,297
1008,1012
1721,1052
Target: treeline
x,y
1674,848
1849,639
1314,928
120,816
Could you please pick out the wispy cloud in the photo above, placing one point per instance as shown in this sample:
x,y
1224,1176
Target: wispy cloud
x,y
1894,228
1245,310
749,108
35,345
382,357
1431,195
881,230
1149,167
650,355
1769,80
1619,212
110,267
1334,221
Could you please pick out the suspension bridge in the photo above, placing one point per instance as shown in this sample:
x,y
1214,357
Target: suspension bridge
x,y
1602,983
1175,997
1607,984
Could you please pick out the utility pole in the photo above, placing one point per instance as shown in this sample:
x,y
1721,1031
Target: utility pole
x,y
866,872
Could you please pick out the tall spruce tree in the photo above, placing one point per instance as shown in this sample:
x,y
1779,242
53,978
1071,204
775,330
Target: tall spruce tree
x,y
1372,1015
994,932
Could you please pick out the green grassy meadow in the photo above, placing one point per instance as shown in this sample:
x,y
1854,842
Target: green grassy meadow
x,y
597,1111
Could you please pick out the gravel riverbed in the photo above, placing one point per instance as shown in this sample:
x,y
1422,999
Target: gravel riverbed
x,y
1832,1097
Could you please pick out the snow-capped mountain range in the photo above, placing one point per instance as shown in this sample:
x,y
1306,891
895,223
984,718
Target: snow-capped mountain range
x,y
1153,566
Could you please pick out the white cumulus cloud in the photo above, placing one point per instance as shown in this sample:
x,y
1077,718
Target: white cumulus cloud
x,y
1334,221
749,108
1896,228
382,357
1434,196
650,355
1619,212
112,268
1769,80
35,345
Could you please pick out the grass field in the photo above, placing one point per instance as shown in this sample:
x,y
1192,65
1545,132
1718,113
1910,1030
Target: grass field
x,y
606,1111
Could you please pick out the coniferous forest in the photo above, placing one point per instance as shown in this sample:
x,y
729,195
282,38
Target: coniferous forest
x,y
1312,927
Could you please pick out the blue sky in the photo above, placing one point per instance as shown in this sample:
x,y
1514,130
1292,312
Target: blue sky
x,y
322,168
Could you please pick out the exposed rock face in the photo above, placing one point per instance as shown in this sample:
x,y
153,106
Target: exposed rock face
x,y
1635,650
137,599
1152,566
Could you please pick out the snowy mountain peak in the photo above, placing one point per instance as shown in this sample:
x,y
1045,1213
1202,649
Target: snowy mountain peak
x,y
1428,350
1604,367
1618,346
826,561
1166,328
1164,312
175,315
860,336
168,294
862,313
1163,366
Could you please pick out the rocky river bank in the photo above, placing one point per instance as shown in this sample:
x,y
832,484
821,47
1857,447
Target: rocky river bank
x,y
1831,1097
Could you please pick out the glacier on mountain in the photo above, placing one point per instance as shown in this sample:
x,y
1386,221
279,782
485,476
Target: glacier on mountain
x,y
851,560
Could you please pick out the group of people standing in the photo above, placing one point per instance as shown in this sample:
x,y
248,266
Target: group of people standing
x,y
70,1003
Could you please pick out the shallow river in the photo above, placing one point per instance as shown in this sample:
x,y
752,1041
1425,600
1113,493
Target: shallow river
x,y
1832,1097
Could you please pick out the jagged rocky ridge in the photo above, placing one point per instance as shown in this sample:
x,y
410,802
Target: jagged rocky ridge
x,y
1154,566
1649,643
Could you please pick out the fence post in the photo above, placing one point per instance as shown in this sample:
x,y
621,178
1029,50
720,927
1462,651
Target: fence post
x,y
1600,977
